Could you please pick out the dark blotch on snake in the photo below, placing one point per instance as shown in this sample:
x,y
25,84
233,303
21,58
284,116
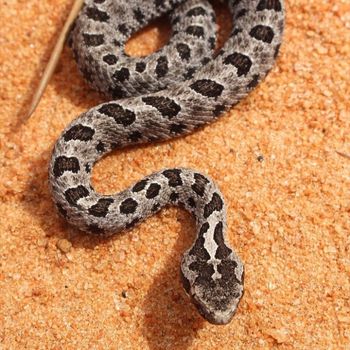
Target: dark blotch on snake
x,y
159,3
123,28
205,60
204,228
212,42
165,106
100,209
100,148
140,67
177,128
173,175
269,5
96,14
162,66
227,268
128,206
174,196
204,270
139,15
139,186
184,51
195,31
94,39
277,49
215,204
207,87
262,33
155,207
79,132
122,116
96,230
132,223
219,109
117,43
219,291
222,251
189,74
236,31
200,184
63,163
197,11
198,249
135,136
240,61
175,20
153,190
241,13
110,59
74,194
191,202
121,75
116,92
61,210
254,82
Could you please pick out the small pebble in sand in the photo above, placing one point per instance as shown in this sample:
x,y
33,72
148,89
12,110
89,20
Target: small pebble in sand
x,y
64,245
279,335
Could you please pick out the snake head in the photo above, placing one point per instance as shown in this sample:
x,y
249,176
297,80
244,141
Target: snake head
x,y
215,288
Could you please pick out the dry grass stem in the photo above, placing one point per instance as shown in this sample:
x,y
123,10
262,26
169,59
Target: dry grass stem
x,y
50,68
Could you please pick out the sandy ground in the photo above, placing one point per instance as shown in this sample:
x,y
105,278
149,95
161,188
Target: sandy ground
x,y
274,157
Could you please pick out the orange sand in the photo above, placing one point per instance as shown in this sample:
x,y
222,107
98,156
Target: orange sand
x,y
288,214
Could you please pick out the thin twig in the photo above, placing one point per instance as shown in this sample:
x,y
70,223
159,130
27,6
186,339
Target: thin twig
x,y
343,154
50,68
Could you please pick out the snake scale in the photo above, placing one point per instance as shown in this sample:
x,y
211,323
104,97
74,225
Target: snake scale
x,y
172,92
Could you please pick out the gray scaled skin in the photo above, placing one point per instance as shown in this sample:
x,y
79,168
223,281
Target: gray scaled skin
x,y
168,94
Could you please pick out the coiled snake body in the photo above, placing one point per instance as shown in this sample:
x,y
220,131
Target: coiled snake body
x,y
175,91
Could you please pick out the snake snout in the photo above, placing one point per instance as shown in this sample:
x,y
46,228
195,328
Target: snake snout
x,y
217,305
216,292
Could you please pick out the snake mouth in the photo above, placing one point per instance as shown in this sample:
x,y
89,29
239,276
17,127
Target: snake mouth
x,y
217,317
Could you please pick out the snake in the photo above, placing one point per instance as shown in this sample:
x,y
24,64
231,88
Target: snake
x,y
170,93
